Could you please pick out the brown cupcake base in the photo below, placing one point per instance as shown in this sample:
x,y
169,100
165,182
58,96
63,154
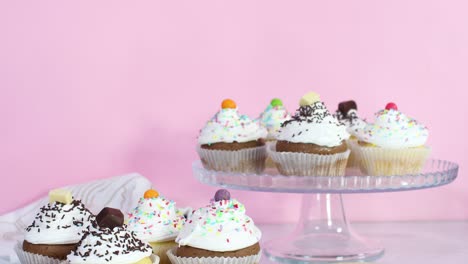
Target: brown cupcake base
x,y
234,145
191,252
286,146
53,251
245,157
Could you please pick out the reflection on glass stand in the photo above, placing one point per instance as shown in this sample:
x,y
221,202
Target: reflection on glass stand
x,y
323,233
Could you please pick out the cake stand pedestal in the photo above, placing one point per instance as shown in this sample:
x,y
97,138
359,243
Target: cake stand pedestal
x,y
322,233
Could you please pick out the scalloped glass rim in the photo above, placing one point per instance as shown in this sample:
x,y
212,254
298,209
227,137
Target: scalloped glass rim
x,y
435,173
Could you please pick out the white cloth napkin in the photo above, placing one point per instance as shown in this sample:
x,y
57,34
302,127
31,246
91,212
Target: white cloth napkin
x,y
121,192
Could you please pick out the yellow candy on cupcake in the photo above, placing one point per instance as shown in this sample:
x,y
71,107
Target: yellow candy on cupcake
x,y
56,229
156,220
393,145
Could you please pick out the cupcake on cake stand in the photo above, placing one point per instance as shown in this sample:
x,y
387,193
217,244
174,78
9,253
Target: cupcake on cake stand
x,y
322,233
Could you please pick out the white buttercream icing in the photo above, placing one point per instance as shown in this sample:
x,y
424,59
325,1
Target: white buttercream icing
x,y
272,118
221,226
58,223
393,129
352,121
229,126
314,124
111,246
156,220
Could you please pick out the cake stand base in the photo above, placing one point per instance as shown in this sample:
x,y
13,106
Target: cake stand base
x,y
322,235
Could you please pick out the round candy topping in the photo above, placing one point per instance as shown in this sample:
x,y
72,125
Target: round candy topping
x,y
391,106
276,102
228,103
151,194
222,194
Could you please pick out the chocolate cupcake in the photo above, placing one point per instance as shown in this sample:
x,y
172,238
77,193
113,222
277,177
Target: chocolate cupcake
x,y
232,142
218,233
56,229
157,221
347,115
393,145
312,142
109,242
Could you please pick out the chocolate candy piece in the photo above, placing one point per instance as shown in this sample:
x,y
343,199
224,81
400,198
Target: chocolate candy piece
x,y
222,194
110,217
60,196
344,107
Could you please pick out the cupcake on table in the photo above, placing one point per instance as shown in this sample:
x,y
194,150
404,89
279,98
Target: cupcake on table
x,y
347,114
312,142
56,229
232,142
218,233
157,221
393,145
108,241
272,118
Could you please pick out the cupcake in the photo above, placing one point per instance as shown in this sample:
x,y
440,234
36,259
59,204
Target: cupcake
x,y
232,142
347,115
108,241
312,142
393,145
157,221
56,229
218,233
272,118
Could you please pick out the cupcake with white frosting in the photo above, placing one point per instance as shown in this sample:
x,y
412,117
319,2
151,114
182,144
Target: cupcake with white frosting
x,y
157,221
232,142
221,232
312,142
272,118
108,241
347,115
393,145
56,229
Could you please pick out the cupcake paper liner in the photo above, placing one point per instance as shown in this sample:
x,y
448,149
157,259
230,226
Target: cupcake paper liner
x,y
250,160
269,163
160,249
254,259
378,161
306,164
353,159
31,258
154,259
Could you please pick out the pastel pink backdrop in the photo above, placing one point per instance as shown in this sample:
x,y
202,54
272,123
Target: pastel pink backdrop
x,y
93,89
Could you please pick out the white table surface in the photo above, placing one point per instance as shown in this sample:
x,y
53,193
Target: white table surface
x,y
404,242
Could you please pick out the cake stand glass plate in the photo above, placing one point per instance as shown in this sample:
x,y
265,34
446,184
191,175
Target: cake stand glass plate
x,y
323,234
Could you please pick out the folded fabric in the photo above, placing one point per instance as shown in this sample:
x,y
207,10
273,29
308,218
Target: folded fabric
x,y
121,192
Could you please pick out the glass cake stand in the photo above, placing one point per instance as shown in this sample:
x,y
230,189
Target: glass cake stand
x,y
323,233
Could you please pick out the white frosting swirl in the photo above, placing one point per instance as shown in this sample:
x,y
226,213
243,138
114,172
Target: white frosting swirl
x,y
221,226
272,118
111,246
156,220
229,126
58,223
352,121
393,129
314,124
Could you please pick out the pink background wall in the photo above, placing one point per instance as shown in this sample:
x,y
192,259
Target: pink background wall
x,y
92,89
